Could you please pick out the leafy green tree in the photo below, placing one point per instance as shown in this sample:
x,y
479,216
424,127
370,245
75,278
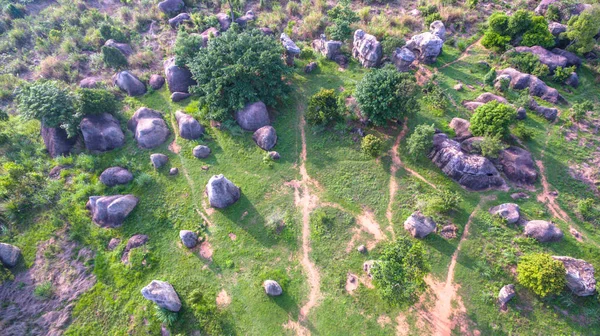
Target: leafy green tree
x,y
541,274
342,17
421,140
442,202
186,47
371,145
519,22
96,101
581,30
491,145
399,272
494,41
113,57
498,23
538,34
237,68
385,94
492,119
322,108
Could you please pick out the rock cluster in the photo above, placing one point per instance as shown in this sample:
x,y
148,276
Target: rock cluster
x,y
328,48
545,56
148,127
110,211
222,192
189,128
484,98
163,294
536,86
550,113
428,46
101,132
403,58
253,116
419,225
580,275
367,49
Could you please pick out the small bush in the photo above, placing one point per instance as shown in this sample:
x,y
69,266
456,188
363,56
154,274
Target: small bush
x,y
371,145
342,16
587,209
579,110
186,47
490,146
321,222
96,101
490,77
44,291
528,63
292,8
561,74
5,274
108,32
322,108
429,19
522,132
52,68
492,119
442,202
421,141
541,274
113,57
390,43
166,316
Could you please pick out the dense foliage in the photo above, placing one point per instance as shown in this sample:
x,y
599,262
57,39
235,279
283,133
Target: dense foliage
x,y
186,47
491,145
323,107
342,16
582,29
541,274
371,145
421,140
528,63
580,110
522,26
492,119
96,101
113,57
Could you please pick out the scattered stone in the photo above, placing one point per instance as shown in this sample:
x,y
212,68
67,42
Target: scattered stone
x,y
519,195
366,49
274,155
580,276
403,58
310,67
537,87
124,48
156,82
115,175
224,21
158,160
508,211
179,19
265,137
188,238
253,116
518,166
179,96
362,249
461,129
201,152
543,231
506,294
9,254
149,128
113,243
137,240
163,294
171,7
328,48
244,19
101,132
272,288
173,171
179,79
189,128
222,192
291,49
88,83
419,225
521,113
55,172
56,141
110,211
129,83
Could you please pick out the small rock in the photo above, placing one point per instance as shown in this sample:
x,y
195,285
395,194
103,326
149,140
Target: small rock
x,y
543,231
418,225
274,155
159,160
461,129
201,151
573,80
506,294
156,82
367,265
115,175
188,238
272,288
174,171
179,96
113,243
179,20
101,132
310,67
521,113
519,195
163,294
362,249
9,254
265,137
508,211
458,87
88,83
171,7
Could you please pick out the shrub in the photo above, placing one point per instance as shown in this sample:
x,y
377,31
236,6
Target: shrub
x,y
398,274
553,13
491,145
429,19
442,202
108,32
44,291
428,10
538,34
523,133
342,16
492,119
165,316
3,115
435,97
385,94
390,43
490,77
238,68
581,30
494,41
528,63
472,4
113,57
52,68
520,22
498,23
541,274
96,101
322,107
321,222
371,145
292,8
579,110
205,310
587,209
5,274
421,140
186,47
561,74
15,11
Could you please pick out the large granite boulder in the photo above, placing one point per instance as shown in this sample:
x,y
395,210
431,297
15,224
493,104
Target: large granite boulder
x,y
426,46
56,141
189,128
438,29
163,294
101,132
9,254
461,129
272,288
222,192
549,58
403,58
156,82
179,78
580,275
518,165
110,211
158,160
472,171
265,137
224,21
536,86
124,48
149,128
328,48
543,231
508,211
179,20
188,238
253,116
419,225
572,59
506,294
112,176
367,49
244,19
291,49
128,82
171,7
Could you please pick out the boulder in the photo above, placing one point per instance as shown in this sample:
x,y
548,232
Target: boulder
x,y
403,58
556,29
543,6
267,31
265,137
163,294
179,96
274,155
222,192
472,171
129,83
543,231
56,141
419,225
110,211
178,78
149,128
580,276
328,48
189,128
272,288
550,113
208,34
137,240
367,49
572,80
310,67
158,160
201,151
521,113
549,58
519,195
101,132
472,145
179,19
426,46
188,238
115,175
156,82
171,7
487,97
113,243
506,294
537,87
472,105
518,165
124,48
507,211
291,49
362,249
224,21
438,29
88,83
572,59
461,129
253,116
9,254
244,19
173,171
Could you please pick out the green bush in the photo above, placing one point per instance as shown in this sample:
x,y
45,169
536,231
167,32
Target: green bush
x,y
371,145
342,16
429,19
113,57
320,222
581,30
494,41
522,132
398,274
442,202
206,311
491,145
538,34
587,209
385,94
522,26
96,101
44,290
165,316
579,110
490,77
15,11
3,115
390,43
186,47
562,74
553,14
492,119
428,10
5,274
520,22
527,63
322,107
108,32
541,274
421,140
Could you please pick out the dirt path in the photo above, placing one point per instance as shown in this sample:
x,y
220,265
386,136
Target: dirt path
x,y
463,55
546,197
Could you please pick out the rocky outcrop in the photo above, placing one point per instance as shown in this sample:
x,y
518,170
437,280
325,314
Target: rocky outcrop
x,y
189,128
129,83
244,19
222,192
272,288
510,212
9,254
179,19
419,225
148,127
438,29
472,171
265,137
328,48
572,59
518,165
112,176
253,116
179,79
201,152
124,48
506,294
428,46
484,98
367,49
536,86
472,145
291,49
163,294
171,7
461,129
580,276
188,238
550,113
224,21
158,160
56,141
156,82
110,211
551,59
101,132
543,231
403,58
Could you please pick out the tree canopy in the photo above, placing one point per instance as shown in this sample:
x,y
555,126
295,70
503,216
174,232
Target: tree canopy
x,y
492,119
541,274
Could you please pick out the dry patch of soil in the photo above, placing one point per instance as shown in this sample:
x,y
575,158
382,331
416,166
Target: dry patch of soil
x,y
223,299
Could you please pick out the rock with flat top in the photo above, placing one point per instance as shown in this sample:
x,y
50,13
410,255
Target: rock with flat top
x,y
543,231
148,127
163,294
419,225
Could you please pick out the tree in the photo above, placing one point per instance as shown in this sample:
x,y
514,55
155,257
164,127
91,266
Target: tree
x,y
385,94
371,145
322,108
491,145
541,274
342,17
562,74
499,23
538,34
581,30
113,57
186,47
96,101
399,272
494,41
421,140
237,68
492,119
520,22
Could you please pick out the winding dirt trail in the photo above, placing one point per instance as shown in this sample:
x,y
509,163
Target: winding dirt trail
x,y
464,54
546,197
